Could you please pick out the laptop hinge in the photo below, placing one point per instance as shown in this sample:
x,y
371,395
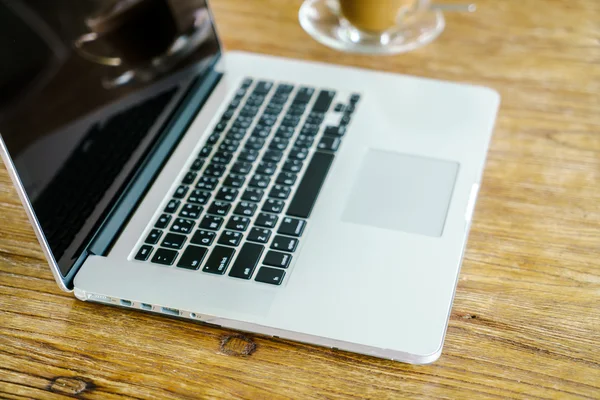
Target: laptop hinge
x,y
135,191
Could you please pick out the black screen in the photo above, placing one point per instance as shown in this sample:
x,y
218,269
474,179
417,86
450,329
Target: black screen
x,y
85,87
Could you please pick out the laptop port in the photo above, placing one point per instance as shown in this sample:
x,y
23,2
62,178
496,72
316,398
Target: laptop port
x,y
170,311
126,303
146,306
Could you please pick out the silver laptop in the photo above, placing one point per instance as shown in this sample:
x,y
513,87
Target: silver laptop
x,y
299,200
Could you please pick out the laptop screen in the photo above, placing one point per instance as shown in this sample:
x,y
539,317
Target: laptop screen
x,y
84,88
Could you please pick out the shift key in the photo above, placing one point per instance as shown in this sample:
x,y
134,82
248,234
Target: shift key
x,y
219,260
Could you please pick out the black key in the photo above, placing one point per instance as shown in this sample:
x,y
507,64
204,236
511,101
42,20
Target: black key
x,y
182,225
271,276
350,109
172,206
219,260
238,223
227,115
246,83
275,107
323,101
241,92
236,135
163,221
181,192
263,87
260,181
298,153
238,130
273,206
272,156
297,108
192,257
345,120
279,144
303,95
286,178
284,88
261,132
290,120
241,167
153,236
339,107
164,256
222,157
235,181
219,208
199,196
245,208
354,98
335,130
229,145
189,178
266,220
254,143
235,103
248,155
246,261
267,120
197,165
253,194
285,132
191,211
144,252
284,243
310,130
203,237
304,142
293,166
206,150
211,222
249,111
266,168
295,112
329,143
215,170
227,194
242,122
310,185
230,238
259,235
277,259
207,183
213,139
255,101
292,226
280,192
173,241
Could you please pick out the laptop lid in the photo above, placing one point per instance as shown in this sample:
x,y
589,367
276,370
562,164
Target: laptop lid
x,y
86,91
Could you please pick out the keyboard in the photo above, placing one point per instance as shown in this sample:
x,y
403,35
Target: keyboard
x,y
244,200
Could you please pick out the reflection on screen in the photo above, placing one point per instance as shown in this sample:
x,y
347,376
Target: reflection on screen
x,y
85,88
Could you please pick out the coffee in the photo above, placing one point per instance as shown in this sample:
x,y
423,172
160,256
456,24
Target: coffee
x,y
374,16
137,30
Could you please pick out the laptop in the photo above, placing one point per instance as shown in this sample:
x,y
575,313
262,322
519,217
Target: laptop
x,y
312,202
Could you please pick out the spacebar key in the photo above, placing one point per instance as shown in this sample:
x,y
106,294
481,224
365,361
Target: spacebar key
x,y
310,186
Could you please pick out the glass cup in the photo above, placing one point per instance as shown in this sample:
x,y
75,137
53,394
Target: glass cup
x,y
372,26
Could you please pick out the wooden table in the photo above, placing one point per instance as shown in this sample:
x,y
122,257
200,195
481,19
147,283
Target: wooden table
x,y
526,319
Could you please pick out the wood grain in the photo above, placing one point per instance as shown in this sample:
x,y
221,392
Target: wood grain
x,y
525,322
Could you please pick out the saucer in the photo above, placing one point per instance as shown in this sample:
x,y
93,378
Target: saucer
x,y
180,49
321,20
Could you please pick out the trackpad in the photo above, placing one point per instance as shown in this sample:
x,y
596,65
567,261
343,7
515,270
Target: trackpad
x,y
402,192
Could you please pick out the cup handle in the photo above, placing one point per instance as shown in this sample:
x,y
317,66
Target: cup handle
x,y
89,38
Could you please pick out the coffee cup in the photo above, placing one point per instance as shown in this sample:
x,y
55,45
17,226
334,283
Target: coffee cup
x,y
136,30
381,16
